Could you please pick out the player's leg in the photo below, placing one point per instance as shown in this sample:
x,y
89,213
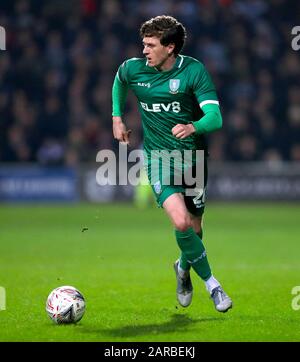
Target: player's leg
x,y
188,241
221,301
195,205
197,225
184,288
172,200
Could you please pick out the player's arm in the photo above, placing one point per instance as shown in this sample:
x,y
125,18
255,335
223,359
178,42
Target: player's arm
x,y
211,121
204,90
119,95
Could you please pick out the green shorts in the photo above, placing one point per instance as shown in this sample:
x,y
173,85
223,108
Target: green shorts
x,y
195,204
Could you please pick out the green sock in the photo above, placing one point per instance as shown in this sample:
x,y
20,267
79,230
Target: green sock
x,y
193,249
183,262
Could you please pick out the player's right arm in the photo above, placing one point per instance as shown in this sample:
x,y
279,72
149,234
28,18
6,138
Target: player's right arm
x,y
119,95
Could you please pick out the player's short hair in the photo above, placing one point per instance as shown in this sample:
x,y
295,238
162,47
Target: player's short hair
x,y
167,29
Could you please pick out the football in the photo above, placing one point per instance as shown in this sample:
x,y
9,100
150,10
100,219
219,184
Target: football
x,y
65,305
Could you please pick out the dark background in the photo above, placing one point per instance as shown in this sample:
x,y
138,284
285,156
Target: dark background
x,y
61,57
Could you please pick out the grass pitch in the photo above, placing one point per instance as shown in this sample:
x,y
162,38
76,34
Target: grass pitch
x,y
121,259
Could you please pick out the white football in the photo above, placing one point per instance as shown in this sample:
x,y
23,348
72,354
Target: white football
x,y
65,305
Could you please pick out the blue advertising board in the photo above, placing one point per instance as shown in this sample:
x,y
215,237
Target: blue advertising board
x,y
29,184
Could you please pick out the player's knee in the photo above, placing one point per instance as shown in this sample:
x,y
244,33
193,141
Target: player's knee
x,y
197,225
182,223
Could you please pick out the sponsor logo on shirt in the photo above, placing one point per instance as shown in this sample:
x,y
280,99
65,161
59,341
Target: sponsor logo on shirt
x,y
141,84
159,107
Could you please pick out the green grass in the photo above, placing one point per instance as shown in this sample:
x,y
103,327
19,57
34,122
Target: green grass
x,y
123,266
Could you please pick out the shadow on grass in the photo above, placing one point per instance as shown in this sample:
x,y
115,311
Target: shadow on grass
x,y
178,322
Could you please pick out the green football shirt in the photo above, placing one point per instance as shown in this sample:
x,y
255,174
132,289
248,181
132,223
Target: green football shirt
x,y
167,98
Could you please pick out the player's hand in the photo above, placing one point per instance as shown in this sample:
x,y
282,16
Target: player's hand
x,y
182,131
120,132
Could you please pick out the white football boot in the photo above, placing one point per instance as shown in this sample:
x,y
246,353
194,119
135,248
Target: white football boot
x,y
221,300
184,290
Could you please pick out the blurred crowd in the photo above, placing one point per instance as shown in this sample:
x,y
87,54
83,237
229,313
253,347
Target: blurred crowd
x,y
61,58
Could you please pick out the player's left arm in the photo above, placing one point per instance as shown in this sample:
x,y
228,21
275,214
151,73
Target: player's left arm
x,y
204,90
211,121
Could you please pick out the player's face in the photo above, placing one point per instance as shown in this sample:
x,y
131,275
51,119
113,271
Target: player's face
x,y
155,52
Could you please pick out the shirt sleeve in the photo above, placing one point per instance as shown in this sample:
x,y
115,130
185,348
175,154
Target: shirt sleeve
x,y
119,95
123,73
120,90
202,85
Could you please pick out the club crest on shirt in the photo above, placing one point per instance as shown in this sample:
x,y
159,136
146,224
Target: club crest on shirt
x,y
174,85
